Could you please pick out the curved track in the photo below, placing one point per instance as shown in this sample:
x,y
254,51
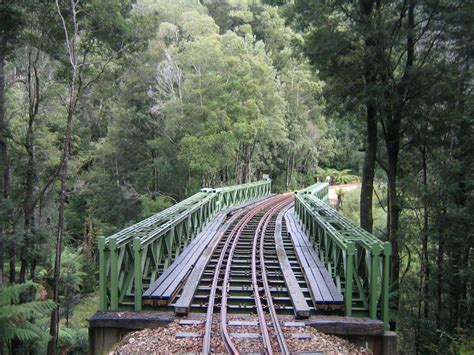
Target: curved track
x,y
263,214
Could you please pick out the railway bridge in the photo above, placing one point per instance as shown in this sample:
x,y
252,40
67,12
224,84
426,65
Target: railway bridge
x,y
241,250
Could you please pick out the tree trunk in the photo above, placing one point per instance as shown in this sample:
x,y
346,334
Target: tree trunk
x,y
392,141
368,172
247,157
424,254
12,262
439,262
4,154
30,178
59,235
423,300
393,209
74,90
370,75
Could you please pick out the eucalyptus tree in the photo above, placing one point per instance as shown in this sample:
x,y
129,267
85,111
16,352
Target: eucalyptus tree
x,y
91,37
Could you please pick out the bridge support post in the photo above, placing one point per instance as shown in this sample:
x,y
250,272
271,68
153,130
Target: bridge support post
x,y
137,256
349,273
102,275
113,275
374,273
386,284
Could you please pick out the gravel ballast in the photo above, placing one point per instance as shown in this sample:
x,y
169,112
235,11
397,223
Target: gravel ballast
x,y
170,339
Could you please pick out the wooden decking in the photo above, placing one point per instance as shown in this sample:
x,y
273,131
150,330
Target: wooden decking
x,y
322,287
183,276
298,299
170,282
183,304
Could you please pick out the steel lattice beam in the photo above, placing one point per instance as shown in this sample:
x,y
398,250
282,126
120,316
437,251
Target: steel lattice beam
x,y
134,257
358,261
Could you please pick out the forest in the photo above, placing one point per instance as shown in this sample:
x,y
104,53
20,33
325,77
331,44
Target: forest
x,y
113,110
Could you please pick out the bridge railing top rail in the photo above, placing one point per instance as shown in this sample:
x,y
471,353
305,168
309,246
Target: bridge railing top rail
x,y
235,187
338,225
315,188
339,239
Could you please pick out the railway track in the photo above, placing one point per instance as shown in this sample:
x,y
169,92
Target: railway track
x,y
242,258
248,270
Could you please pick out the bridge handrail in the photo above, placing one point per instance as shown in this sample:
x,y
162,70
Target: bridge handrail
x,y
319,189
348,251
237,187
147,248
156,219
162,229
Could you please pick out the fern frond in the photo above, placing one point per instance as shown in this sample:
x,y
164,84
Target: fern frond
x,y
33,309
16,319
11,294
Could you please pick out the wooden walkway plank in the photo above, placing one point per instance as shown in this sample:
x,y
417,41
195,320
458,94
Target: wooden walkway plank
x,y
320,282
187,265
298,300
304,241
169,275
183,266
183,304
315,270
171,280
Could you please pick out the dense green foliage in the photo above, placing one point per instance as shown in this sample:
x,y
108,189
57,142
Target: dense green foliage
x,y
19,310
405,68
119,110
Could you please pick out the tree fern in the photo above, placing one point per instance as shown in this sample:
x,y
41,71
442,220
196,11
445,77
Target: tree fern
x,y
17,316
337,176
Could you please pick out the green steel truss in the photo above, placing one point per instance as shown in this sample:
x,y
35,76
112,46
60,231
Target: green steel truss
x,y
319,190
358,261
133,258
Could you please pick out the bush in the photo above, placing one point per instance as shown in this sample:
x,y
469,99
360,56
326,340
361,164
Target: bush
x,y
73,341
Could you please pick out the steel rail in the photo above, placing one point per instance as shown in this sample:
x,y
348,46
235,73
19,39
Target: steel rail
x,y
230,346
238,228
260,312
271,307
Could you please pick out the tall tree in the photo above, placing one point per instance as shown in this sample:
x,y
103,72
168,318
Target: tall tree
x,y
351,69
71,34
11,22
84,25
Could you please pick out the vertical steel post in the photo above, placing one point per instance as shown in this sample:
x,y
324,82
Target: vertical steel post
x,y
386,284
102,275
349,271
137,257
374,273
113,275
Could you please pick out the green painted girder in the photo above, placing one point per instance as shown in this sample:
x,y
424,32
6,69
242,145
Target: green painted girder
x,y
145,249
357,260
